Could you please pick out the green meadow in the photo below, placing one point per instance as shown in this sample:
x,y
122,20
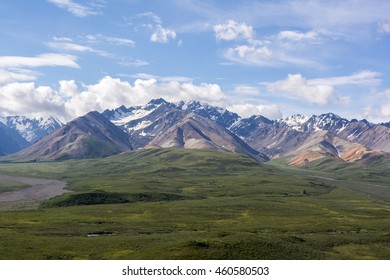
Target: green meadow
x,y
186,204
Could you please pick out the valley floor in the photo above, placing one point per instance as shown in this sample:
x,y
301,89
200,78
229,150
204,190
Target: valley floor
x,y
181,204
36,190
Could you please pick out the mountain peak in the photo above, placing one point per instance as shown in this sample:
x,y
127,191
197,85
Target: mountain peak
x,y
157,101
296,121
220,115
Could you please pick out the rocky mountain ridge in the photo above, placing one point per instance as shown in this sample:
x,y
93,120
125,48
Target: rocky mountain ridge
x,y
198,125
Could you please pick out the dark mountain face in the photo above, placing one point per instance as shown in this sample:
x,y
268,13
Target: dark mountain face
x,y
122,111
10,141
386,124
88,136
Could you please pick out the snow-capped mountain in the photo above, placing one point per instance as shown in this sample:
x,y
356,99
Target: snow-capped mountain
x,y
193,124
144,123
329,122
219,115
272,137
296,122
31,129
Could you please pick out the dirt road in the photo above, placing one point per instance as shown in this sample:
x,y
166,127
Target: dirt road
x,y
40,189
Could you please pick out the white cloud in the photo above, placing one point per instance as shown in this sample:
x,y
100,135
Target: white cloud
x,y
297,35
17,75
69,46
133,62
262,55
150,22
70,101
384,27
27,99
244,89
379,110
62,39
75,8
246,110
145,76
366,78
385,107
120,41
68,89
251,55
162,35
112,40
298,87
232,30
47,59
274,51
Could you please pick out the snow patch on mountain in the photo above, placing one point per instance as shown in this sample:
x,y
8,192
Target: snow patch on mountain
x,y
296,122
32,129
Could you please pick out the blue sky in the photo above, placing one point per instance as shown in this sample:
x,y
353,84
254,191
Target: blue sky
x,y
275,58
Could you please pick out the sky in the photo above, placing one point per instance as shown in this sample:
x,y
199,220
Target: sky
x,y
275,58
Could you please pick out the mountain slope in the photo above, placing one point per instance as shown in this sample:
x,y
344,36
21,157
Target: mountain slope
x,y
88,136
10,141
196,132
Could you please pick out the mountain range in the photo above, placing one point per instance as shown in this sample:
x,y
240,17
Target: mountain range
x,y
194,125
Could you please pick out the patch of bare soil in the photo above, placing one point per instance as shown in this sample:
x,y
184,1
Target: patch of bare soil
x,y
41,189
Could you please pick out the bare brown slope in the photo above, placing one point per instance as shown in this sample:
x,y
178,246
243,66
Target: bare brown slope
x,y
196,132
88,136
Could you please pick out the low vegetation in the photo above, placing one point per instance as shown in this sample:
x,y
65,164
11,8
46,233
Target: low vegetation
x,y
183,204
8,186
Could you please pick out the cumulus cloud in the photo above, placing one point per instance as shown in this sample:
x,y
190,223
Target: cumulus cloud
x,y
27,99
76,9
47,59
232,30
298,87
272,51
246,110
162,35
150,22
71,100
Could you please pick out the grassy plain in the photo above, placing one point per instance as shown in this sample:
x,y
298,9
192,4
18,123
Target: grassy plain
x,y
184,204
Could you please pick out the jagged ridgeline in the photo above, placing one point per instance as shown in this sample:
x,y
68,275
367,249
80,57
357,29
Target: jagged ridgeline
x,y
193,125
